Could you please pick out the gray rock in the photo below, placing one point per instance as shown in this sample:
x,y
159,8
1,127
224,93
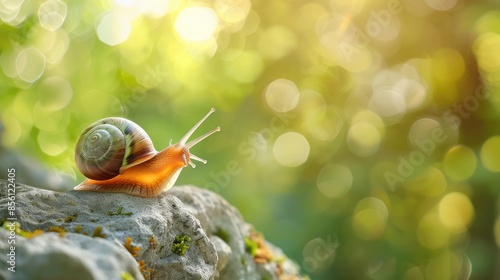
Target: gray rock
x,y
215,228
217,216
49,257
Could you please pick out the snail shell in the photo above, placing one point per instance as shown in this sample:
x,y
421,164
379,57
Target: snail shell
x,y
116,155
110,146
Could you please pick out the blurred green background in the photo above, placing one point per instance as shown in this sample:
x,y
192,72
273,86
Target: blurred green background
x,y
361,137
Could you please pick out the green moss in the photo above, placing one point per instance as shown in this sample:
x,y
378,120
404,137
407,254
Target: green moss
x,y
127,276
17,229
119,212
281,260
224,235
250,246
180,244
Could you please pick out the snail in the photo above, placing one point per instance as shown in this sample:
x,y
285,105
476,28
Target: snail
x,y
116,155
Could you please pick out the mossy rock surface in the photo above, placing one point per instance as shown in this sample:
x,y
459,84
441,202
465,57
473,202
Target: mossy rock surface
x,y
144,230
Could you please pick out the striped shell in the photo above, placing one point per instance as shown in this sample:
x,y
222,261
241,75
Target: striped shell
x,y
109,146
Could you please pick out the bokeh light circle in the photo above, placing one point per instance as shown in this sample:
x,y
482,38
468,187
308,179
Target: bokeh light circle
x,y
370,218
497,231
426,134
441,5
484,48
363,139
52,143
460,162
291,149
429,182
30,64
55,93
388,102
282,95
456,212
114,28
233,11
448,64
431,233
334,180
196,23
490,152
52,14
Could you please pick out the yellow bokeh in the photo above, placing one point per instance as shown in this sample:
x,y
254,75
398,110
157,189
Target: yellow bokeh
x,y
448,265
497,231
291,149
431,233
282,95
484,48
448,64
456,212
430,182
370,218
366,133
490,152
460,162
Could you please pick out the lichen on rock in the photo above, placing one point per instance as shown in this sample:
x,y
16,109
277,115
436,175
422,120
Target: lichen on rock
x,y
185,233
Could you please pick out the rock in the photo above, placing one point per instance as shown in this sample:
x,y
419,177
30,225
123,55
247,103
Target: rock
x,y
217,217
185,233
49,256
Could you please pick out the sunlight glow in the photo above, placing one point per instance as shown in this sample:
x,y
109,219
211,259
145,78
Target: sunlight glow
x,y
52,14
113,29
196,24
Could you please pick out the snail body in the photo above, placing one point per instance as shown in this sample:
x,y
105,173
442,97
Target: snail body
x,y
116,155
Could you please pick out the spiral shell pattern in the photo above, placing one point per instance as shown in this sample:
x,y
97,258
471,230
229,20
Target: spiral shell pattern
x,y
109,146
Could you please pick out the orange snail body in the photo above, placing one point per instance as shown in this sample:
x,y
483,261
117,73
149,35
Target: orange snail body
x,y
116,155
